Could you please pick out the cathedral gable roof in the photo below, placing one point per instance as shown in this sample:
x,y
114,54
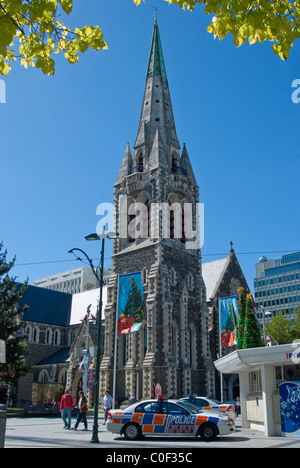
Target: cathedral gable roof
x,y
213,273
46,306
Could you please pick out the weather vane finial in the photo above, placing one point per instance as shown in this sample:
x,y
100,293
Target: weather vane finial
x,y
155,14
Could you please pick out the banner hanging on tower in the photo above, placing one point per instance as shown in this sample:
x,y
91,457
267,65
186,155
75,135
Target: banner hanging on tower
x,y
229,319
131,305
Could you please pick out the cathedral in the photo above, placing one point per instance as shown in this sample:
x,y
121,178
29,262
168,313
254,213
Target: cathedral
x,y
157,216
156,200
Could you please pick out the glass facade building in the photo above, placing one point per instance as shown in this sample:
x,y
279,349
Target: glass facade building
x,y
277,284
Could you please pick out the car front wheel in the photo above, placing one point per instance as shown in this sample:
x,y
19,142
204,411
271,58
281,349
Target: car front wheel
x,y
132,432
208,432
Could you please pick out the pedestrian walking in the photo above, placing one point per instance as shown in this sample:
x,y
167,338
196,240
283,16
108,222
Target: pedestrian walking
x,y
66,406
107,403
81,411
238,406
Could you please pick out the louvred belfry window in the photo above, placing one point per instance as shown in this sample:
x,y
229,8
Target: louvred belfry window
x,y
183,238
172,224
174,164
140,163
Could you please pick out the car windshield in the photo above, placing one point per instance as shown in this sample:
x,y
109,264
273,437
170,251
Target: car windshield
x,y
189,406
216,401
130,407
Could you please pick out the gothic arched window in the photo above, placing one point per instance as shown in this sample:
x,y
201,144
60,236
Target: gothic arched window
x,y
140,163
49,336
57,337
43,376
35,335
174,163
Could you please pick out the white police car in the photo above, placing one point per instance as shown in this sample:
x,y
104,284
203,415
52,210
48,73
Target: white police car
x,y
209,404
168,418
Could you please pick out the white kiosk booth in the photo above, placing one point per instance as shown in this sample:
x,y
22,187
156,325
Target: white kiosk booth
x,y
261,372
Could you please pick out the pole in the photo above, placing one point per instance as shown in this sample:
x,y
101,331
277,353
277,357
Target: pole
x,y
95,439
95,236
137,382
86,354
220,347
116,347
264,325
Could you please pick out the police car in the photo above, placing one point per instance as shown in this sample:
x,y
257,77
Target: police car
x,y
208,404
168,418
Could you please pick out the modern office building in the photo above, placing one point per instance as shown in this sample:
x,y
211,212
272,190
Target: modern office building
x,y
277,284
72,281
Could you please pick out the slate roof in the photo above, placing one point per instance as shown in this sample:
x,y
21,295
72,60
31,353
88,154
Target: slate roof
x,y
61,356
47,306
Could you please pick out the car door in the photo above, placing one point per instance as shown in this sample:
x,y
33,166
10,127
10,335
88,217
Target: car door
x,y
150,418
180,421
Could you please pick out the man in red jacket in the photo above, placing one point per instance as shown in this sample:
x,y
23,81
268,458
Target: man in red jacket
x,y
66,406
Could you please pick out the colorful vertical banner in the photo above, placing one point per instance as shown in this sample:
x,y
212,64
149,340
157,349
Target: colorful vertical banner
x,y
91,379
229,319
290,408
130,303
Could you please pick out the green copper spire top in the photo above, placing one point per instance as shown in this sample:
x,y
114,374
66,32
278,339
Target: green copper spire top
x,y
156,65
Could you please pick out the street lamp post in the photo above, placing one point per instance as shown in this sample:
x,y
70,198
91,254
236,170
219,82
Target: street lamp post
x,y
95,236
264,314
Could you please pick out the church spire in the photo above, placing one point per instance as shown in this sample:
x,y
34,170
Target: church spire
x,y
156,116
156,65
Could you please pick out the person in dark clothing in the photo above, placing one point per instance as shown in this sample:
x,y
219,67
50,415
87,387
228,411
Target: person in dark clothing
x,y
81,412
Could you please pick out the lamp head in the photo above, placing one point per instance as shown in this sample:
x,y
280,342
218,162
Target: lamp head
x,y
95,236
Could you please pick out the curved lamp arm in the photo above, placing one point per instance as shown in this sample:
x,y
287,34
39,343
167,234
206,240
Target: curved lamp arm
x,y
89,260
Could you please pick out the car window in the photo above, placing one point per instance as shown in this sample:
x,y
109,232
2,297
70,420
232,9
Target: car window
x,y
171,408
199,402
192,408
148,407
217,402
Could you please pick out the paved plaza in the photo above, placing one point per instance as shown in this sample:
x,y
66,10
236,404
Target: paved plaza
x,y
49,433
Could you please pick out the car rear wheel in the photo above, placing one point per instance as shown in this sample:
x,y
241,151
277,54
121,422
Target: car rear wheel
x,y
132,432
208,432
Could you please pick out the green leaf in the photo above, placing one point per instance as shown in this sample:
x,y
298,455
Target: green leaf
x,y
67,5
4,68
7,30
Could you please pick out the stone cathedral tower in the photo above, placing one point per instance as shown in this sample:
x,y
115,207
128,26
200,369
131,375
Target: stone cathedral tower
x,y
156,198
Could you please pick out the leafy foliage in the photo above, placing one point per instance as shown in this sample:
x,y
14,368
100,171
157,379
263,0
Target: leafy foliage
x,y
30,30
276,21
10,318
282,330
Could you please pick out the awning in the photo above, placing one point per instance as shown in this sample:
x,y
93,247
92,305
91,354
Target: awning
x,y
244,359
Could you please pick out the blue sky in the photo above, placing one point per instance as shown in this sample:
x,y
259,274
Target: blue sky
x,y
63,137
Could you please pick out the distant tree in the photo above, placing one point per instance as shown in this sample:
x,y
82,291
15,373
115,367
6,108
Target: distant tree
x,y
259,20
295,328
282,330
10,319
